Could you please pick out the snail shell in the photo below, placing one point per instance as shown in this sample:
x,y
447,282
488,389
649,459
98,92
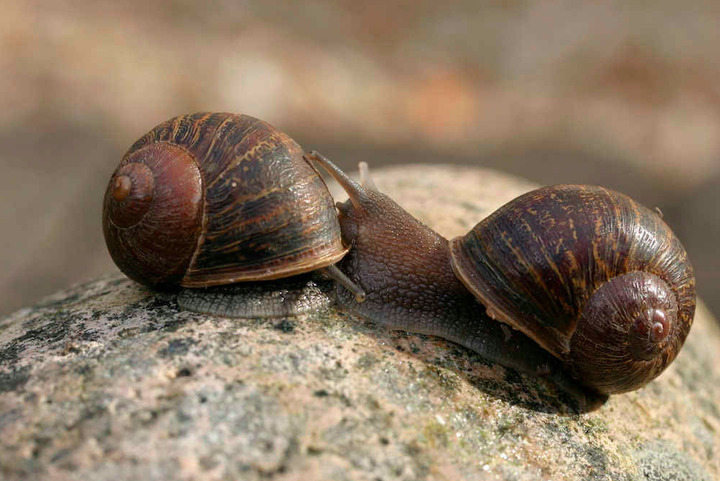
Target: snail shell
x,y
592,276
595,285
216,198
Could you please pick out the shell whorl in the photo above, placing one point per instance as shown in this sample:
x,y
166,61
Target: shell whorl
x,y
557,257
152,213
217,198
627,333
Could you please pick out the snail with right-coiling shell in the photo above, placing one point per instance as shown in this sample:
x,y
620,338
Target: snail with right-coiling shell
x,y
598,282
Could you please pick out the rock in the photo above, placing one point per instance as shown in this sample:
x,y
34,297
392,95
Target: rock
x,y
108,380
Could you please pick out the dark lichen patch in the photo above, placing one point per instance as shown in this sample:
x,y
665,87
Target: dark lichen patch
x,y
469,356
177,347
129,332
89,335
415,346
173,325
85,370
98,315
15,379
55,329
510,427
161,305
285,325
60,455
209,463
342,398
513,377
334,372
441,378
116,318
93,417
40,444
8,417
3,327
10,355
419,459
148,417
153,307
314,450
366,361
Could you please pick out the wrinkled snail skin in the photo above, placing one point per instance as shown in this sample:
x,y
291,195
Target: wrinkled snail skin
x,y
216,198
577,283
416,281
410,286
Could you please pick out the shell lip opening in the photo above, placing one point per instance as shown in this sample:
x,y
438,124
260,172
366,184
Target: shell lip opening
x,y
463,265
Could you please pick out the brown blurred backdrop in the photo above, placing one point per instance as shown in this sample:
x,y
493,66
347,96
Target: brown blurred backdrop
x,y
620,93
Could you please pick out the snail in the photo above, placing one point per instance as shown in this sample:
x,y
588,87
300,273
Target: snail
x,y
577,283
592,277
215,198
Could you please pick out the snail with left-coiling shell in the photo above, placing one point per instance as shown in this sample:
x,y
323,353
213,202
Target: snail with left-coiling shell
x,y
599,283
593,277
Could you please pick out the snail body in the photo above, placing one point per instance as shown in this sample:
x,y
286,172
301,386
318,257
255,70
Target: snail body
x,y
595,278
597,281
215,198
577,283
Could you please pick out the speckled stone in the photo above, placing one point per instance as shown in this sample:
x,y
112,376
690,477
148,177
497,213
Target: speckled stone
x,y
109,381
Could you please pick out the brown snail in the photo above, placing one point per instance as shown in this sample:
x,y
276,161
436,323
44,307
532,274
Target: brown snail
x,y
593,283
215,198
597,280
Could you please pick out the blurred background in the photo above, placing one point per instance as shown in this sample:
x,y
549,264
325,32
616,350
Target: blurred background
x,y
620,93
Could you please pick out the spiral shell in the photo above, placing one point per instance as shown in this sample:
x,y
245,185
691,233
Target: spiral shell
x,y
217,198
598,280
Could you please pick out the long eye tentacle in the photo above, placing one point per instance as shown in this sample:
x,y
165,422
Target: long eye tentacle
x,y
355,191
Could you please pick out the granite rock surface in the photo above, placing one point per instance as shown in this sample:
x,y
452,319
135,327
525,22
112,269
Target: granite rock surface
x,y
110,381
